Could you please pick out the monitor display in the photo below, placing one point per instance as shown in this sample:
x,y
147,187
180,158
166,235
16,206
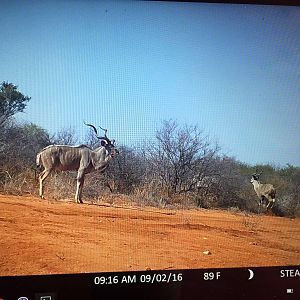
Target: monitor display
x,y
149,150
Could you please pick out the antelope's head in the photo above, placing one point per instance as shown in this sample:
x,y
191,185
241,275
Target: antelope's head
x,y
105,142
255,176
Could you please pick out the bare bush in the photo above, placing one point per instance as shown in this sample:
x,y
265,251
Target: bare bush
x,y
289,191
66,136
179,155
127,171
18,183
20,143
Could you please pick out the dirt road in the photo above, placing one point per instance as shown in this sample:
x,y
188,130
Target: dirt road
x,y
43,237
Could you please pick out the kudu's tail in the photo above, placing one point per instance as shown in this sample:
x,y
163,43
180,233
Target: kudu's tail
x,y
38,168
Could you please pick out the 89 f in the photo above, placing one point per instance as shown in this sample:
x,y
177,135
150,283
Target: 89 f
x,y
211,275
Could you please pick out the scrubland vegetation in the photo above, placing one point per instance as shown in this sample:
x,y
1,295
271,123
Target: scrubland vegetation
x,y
180,167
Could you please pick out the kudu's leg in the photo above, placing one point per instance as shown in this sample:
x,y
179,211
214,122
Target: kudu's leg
x,y
260,204
42,177
80,182
272,202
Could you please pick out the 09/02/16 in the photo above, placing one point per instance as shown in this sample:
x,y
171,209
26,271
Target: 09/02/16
x,y
144,278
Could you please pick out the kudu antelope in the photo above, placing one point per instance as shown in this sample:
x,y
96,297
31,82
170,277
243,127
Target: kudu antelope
x,y
263,191
76,158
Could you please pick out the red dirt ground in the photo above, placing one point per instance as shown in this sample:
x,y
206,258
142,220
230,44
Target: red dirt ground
x,y
51,237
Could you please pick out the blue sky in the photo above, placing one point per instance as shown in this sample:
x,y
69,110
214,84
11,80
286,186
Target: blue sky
x,y
234,70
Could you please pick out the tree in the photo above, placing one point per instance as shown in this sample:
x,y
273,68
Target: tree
x,y
11,101
289,190
127,170
66,136
20,145
180,155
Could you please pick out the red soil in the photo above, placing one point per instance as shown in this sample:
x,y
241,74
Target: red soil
x,y
42,237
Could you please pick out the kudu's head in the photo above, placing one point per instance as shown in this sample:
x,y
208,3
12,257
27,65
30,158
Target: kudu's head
x,y
255,176
105,142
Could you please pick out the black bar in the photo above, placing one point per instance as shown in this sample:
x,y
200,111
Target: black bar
x,y
267,283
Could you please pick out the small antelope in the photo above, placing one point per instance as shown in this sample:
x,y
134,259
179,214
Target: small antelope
x,y
78,158
263,191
